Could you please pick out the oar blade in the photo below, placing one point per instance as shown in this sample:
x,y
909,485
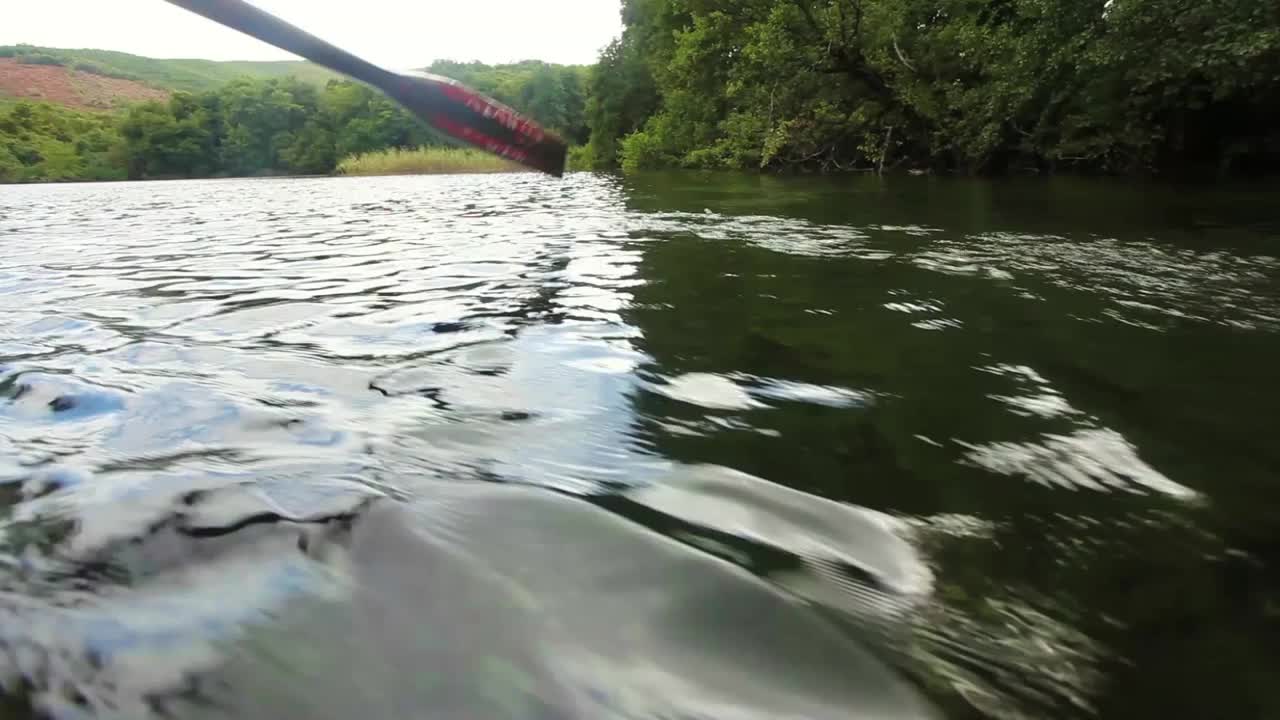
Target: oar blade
x,y
478,120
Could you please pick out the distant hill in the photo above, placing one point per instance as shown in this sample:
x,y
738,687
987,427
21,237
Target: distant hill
x,y
71,88
162,74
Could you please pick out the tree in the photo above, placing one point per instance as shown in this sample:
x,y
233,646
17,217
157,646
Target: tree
x,y
621,96
158,144
1111,85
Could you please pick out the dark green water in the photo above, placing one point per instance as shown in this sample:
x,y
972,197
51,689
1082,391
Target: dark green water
x,y
663,446
1082,376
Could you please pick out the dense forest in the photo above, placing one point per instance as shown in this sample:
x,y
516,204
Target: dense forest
x,y
975,86
972,86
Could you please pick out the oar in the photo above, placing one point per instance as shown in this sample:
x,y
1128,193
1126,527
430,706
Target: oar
x,y
445,104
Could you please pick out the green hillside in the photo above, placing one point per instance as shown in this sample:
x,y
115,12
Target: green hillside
x,y
169,74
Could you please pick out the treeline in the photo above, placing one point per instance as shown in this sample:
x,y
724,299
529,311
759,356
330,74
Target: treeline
x,y
976,86
259,127
970,86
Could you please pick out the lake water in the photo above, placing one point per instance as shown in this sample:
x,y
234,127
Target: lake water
x,y
663,446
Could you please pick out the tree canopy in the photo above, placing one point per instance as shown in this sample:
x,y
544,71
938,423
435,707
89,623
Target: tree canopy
x,y
965,85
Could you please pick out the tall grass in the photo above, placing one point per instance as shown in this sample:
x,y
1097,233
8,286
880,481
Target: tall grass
x,y
425,161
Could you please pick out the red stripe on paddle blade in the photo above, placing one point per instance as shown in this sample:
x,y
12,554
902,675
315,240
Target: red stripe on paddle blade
x,y
483,122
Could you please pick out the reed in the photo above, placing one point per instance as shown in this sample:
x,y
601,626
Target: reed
x,y
425,161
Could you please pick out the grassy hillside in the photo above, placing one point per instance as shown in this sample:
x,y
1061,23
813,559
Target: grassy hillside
x,y
168,74
62,85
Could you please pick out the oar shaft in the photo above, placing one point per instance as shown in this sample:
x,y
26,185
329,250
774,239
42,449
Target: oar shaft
x,y
270,29
451,108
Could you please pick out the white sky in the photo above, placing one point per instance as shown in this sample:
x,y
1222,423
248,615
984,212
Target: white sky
x,y
399,34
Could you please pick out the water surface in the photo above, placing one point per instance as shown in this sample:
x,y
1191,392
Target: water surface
x,y
664,446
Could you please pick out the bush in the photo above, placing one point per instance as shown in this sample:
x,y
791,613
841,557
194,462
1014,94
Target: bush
x,y
93,68
640,151
424,161
9,165
40,59
582,157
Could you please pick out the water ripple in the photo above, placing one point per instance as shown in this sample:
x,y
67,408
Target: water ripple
x,y
267,445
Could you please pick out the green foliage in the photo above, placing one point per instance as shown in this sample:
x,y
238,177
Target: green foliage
x,y
9,165
982,86
42,142
581,157
253,127
425,160
159,142
642,150
39,59
94,69
621,96
1112,85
